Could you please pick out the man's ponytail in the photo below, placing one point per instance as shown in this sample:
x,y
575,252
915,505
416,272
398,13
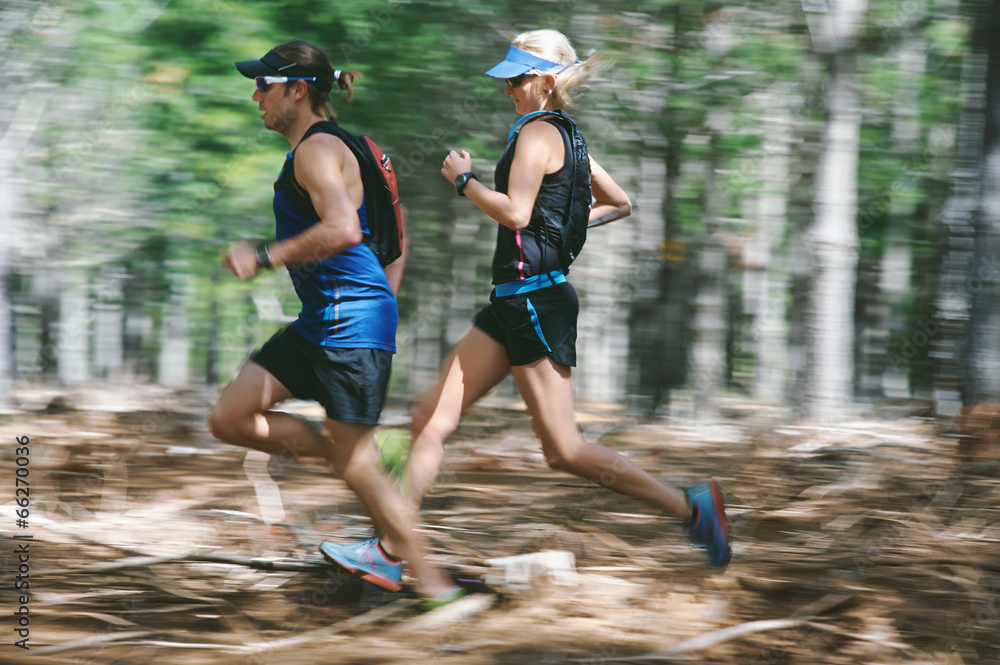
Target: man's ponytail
x,y
345,81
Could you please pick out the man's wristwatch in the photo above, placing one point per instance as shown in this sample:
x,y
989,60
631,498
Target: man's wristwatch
x,y
463,180
264,256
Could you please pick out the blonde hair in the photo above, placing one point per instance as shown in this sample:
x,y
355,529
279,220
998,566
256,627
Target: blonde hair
x,y
554,46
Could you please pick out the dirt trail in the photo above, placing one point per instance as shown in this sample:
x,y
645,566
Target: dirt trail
x,y
872,542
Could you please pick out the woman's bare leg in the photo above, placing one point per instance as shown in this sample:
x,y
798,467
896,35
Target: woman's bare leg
x,y
547,388
475,366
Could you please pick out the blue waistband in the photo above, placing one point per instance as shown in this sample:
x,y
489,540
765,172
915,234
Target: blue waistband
x,y
530,284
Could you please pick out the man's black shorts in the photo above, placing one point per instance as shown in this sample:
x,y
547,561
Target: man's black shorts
x,y
534,325
350,383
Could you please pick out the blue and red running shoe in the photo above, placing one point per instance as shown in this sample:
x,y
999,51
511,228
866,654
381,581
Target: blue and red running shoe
x,y
707,526
367,561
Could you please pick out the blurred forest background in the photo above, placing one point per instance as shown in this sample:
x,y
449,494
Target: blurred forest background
x,y
815,188
813,247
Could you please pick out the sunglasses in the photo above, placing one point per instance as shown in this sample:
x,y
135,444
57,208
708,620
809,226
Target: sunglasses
x,y
264,81
516,82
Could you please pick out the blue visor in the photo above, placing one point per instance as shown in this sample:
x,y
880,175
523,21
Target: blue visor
x,y
520,62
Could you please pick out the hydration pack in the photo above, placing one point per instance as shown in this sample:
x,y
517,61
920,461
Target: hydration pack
x,y
570,228
385,219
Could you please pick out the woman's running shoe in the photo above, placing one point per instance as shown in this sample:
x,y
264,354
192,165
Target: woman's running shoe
x,y
707,526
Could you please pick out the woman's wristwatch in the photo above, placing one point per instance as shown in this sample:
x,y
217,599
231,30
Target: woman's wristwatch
x,y
463,180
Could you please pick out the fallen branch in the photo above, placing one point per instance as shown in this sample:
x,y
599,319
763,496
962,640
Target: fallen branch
x,y
804,616
96,640
861,636
372,616
713,638
463,608
257,563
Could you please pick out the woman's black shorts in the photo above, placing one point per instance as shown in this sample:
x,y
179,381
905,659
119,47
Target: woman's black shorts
x,y
350,383
534,325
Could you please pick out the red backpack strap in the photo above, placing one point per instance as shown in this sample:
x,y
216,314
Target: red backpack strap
x,y
389,175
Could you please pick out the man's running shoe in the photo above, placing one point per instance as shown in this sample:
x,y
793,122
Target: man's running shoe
x,y
449,596
367,561
708,526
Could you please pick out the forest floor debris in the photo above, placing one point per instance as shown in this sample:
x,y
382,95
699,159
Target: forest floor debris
x,y
870,542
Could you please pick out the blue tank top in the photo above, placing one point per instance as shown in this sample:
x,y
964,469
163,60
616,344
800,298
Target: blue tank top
x,y
346,298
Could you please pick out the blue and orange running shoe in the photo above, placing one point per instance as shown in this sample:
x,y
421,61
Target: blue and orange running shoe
x,y
367,561
707,526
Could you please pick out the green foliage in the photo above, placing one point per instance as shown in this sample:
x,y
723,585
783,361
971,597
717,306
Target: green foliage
x,y
393,450
160,156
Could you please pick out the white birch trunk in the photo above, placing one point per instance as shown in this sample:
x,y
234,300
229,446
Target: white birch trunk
x,y
766,279
896,283
708,354
22,122
833,238
600,277
175,345
75,319
895,273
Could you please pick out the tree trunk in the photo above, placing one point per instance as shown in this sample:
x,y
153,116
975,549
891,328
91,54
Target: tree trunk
x,y
955,382
657,321
75,319
709,354
605,279
660,316
983,359
109,326
424,337
833,237
880,311
214,324
7,368
174,343
14,138
766,274
8,213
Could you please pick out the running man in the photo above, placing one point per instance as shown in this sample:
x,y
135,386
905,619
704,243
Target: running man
x,y
338,352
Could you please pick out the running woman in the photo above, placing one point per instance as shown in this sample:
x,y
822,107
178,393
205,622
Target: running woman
x,y
338,351
529,327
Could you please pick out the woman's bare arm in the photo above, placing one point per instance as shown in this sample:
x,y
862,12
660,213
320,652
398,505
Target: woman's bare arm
x,y
610,201
539,151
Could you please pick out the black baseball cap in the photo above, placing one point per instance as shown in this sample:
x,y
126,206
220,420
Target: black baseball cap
x,y
273,64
